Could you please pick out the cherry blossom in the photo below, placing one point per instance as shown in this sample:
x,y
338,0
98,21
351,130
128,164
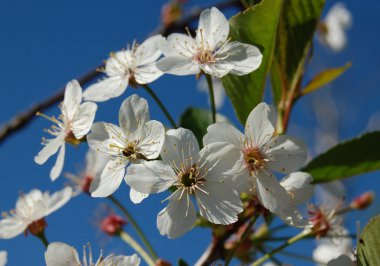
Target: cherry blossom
x,y
205,174
71,126
211,51
137,139
31,208
133,66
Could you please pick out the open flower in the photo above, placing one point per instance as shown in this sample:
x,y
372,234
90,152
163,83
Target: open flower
x,y
210,52
58,254
205,174
137,139
30,211
94,165
132,66
71,126
333,28
262,152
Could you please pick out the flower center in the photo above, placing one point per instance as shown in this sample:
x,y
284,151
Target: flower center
x,y
189,178
130,151
204,56
254,159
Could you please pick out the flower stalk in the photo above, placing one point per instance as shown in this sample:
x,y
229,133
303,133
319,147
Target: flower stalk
x,y
212,97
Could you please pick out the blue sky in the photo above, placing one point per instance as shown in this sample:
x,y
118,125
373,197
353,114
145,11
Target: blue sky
x,y
44,44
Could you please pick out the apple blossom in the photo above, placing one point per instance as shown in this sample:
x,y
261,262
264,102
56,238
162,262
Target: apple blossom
x,y
128,67
137,139
206,174
58,254
211,51
71,126
260,152
31,208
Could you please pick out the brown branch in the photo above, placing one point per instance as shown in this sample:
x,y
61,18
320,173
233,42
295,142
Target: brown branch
x,y
21,120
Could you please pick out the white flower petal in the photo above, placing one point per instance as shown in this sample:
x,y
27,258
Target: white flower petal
x,y
221,161
150,177
222,204
84,119
103,135
292,217
106,89
286,154
271,194
178,45
213,28
112,260
61,254
216,70
298,184
180,145
133,113
223,132
149,51
260,124
49,149
57,168
95,162
11,227
240,58
137,197
178,65
109,180
177,218
151,137
119,63
147,73
27,201
72,99
57,200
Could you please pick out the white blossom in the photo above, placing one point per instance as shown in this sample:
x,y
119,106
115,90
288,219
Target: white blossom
x,y
211,51
71,126
332,247
299,187
262,152
335,25
31,208
137,139
59,254
206,174
127,67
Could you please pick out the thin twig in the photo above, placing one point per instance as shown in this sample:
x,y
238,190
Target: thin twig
x,y
22,119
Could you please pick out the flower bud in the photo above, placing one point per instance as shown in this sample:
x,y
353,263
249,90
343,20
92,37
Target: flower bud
x,y
170,13
363,201
161,262
112,224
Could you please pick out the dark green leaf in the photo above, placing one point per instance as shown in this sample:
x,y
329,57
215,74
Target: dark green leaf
x,y
324,78
296,29
258,26
350,158
369,244
197,120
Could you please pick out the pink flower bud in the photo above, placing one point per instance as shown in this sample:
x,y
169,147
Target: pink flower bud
x,y
363,201
112,224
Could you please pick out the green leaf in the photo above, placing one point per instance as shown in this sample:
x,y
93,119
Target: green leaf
x,y
325,77
369,244
350,158
296,29
257,25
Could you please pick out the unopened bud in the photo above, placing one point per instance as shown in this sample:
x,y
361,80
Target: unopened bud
x,y
112,224
161,262
363,201
170,13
